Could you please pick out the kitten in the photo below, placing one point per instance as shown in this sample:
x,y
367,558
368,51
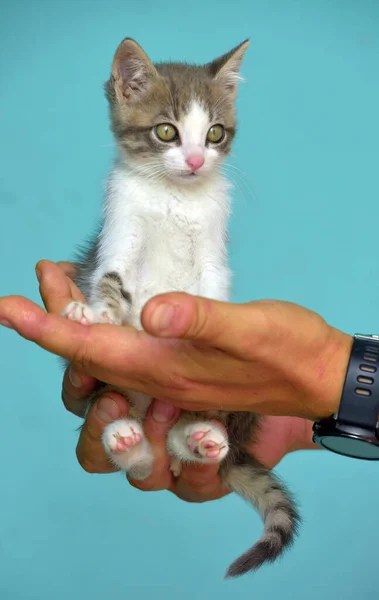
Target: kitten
x,y
164,229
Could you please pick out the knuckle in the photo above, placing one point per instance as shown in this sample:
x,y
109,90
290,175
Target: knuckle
x,y
197,500
65,400
143,485
197,486
175,381
199,325
201,480
67,403
72,405
192,496
179,384
82,356
85,462
188,499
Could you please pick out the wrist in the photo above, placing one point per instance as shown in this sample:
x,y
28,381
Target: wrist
x,y
301,437
329,375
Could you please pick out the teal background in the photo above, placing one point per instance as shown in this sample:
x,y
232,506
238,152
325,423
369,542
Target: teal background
x,y
304,228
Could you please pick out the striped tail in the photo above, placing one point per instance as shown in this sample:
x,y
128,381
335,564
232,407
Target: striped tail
x,y
258,486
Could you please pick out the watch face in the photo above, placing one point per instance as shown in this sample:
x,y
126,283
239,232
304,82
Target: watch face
x,y
350,446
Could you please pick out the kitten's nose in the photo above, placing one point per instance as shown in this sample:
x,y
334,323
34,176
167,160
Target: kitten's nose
x,y
195,162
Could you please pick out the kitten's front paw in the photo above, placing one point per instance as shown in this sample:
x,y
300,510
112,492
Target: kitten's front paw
x,y
80,312
207,441
86,315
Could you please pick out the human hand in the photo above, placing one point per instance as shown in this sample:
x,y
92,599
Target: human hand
x,y
269,357
197,483
277,437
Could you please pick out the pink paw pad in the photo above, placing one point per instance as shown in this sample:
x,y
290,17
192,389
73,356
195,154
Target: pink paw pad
x,y
201,446
198,435
107,319
124,443
79,312
76,315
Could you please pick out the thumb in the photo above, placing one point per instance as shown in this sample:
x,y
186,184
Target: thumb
x,y
230,327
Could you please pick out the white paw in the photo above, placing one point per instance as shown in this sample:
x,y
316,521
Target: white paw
x,y
86,315
77,311
128,448
122,435
207,441
204,442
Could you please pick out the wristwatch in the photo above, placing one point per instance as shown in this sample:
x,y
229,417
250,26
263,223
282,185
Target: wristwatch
x,y
354,430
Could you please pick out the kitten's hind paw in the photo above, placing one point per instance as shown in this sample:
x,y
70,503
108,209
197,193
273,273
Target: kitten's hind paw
x,y
198,441
128,448
207,442
122,435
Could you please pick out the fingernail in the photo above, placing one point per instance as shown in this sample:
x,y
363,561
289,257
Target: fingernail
x,y
5,323
107,410
162,317
162,412
38,273
74,378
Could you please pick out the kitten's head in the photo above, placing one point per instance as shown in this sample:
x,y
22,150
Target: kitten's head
x,y
172,119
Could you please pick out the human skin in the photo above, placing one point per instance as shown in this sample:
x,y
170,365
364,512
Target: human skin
x,y
273,358
269,357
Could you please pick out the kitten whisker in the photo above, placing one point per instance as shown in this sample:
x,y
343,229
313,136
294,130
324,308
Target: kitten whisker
x,y
241,177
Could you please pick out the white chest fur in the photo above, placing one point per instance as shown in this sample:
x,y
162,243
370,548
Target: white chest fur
x,y
161,237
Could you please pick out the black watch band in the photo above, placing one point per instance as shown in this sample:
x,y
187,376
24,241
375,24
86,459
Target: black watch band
x,y
353,431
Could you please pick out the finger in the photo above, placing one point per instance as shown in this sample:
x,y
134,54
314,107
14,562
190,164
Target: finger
x,y
220,324
73,341
68,268
122,356
90,450
56,288
160,419
199,483
76,388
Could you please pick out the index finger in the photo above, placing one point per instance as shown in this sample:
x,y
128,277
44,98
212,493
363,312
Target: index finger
x,y
68,268
122,356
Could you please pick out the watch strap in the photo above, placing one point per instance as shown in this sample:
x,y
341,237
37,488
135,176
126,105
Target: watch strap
x,y
360,396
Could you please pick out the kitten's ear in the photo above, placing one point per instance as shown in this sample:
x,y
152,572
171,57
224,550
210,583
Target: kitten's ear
x,y
226,68
132,71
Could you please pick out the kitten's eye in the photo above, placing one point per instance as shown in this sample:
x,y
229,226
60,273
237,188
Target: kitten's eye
x,y
166,132
216,134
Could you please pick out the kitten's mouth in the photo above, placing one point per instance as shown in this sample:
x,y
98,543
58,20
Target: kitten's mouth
x,y
186,175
